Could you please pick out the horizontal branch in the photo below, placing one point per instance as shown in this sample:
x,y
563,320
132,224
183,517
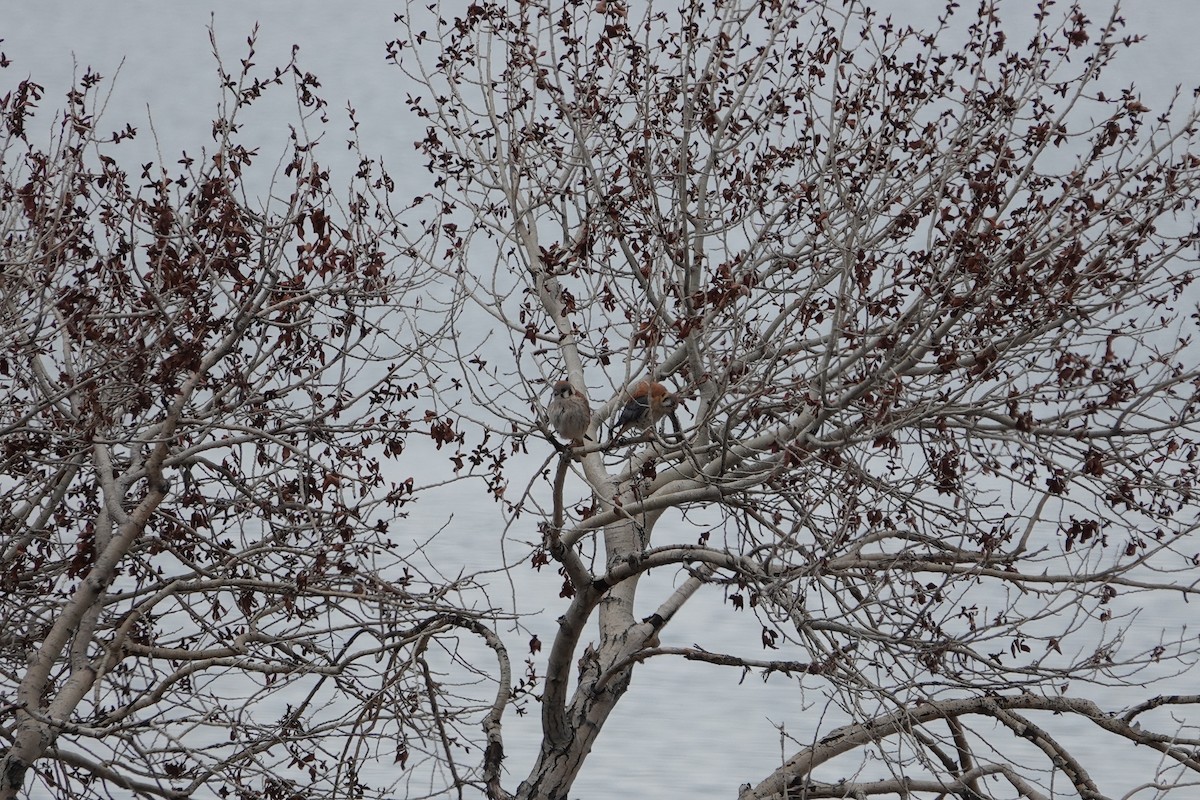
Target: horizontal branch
x,y
696,653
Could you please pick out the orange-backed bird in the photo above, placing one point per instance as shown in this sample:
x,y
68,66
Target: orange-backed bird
x,y
648,403
569,412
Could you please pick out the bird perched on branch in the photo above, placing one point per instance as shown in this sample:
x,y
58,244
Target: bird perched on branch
x,y
647,404
569,412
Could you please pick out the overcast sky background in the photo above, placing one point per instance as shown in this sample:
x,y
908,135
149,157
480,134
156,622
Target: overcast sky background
x,y
163,52
168,74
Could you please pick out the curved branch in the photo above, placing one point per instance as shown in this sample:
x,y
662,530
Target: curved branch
x,y
115,778
800,766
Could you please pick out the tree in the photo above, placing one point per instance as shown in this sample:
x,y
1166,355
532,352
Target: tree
x,y
927,294
201,394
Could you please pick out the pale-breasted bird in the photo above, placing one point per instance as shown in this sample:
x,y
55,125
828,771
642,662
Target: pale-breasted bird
x,y
569,412
647,404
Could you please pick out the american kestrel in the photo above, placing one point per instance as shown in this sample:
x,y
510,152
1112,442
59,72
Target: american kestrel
x,y
648,403
569,412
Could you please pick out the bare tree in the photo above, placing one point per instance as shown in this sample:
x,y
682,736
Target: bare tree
x,y
925,295
201,393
